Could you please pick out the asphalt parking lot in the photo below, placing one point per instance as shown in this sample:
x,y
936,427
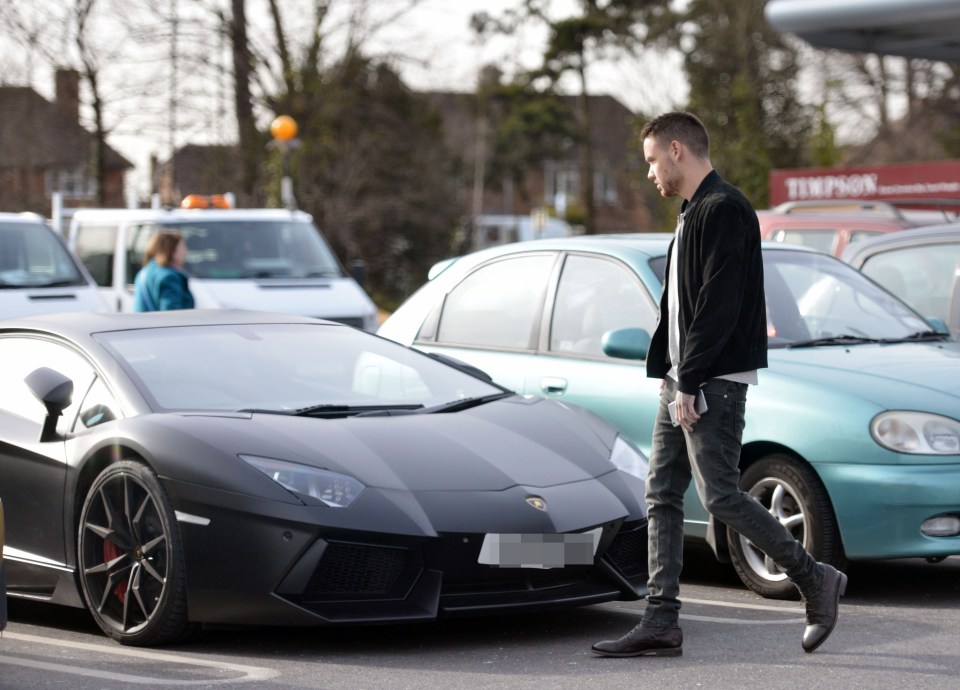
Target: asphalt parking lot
x,y
898,629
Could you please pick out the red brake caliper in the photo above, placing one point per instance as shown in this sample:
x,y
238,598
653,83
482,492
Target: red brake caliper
x,y
110,552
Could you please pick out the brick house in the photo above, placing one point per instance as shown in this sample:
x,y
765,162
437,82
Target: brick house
x,y
45,149
555,184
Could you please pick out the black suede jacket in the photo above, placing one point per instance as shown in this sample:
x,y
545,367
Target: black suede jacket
x,y
723,317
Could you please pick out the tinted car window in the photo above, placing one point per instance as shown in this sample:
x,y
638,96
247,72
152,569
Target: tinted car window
x,y
594,296
498,305
96,246
921,276
31,255
137,238
821,240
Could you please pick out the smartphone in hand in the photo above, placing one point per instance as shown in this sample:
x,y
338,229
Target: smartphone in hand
x,y
700,407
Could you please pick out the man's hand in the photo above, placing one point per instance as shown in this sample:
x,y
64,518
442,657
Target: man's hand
x,y
687,414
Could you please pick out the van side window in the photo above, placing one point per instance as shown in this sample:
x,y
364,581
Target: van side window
x,y
137,238
96,245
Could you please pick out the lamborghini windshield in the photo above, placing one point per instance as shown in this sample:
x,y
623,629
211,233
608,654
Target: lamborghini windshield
x,y
320,370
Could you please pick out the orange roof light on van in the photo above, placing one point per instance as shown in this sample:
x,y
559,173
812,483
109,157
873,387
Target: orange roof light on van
x,y
197,201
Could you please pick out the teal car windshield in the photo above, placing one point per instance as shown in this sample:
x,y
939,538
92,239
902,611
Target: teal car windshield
x,y
814,299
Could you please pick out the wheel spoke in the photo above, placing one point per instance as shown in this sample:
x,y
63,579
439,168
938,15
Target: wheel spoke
x,y
776,502
795,520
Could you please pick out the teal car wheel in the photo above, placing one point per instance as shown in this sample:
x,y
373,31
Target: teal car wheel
x,y
794,495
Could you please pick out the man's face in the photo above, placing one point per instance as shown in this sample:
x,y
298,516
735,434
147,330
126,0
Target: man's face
x,y
664,171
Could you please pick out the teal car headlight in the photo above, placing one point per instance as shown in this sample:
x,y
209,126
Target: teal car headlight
x,y
918,433
332,488
627,458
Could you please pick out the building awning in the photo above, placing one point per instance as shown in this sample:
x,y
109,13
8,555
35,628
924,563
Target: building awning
x,y
909,28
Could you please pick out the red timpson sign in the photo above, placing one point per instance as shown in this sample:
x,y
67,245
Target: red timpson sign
x,y
905,181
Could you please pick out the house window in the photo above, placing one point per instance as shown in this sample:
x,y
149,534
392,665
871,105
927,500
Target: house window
x,y
70,183
562,181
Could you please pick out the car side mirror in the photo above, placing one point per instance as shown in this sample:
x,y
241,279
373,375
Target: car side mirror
x,y
55,391
626,343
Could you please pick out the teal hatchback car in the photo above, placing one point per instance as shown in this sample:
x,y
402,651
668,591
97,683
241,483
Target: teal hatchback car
x,y
852,436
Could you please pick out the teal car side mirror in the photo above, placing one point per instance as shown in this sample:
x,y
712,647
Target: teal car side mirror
x,y
938,325
626,343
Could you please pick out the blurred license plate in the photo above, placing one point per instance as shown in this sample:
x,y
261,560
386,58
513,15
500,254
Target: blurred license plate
x,y
539,550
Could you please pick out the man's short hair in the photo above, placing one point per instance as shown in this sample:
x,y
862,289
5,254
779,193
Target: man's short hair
x,y
677,126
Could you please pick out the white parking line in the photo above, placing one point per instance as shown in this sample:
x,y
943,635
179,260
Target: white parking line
x,y
247,673
749,607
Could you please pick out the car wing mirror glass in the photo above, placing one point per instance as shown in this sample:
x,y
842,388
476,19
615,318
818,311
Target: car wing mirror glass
x,y
98,414
938,325
55,391
626,343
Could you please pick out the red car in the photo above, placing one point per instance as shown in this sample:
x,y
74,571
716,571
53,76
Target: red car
x,y
830,227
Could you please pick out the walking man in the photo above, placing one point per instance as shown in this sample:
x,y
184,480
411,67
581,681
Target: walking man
x,y
711,340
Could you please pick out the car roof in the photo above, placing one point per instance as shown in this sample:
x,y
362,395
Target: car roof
x,y
79,325
623,245
33,218
831,219
188,215
928,234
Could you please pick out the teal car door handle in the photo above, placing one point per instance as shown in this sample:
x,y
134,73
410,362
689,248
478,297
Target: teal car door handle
x,y
553,385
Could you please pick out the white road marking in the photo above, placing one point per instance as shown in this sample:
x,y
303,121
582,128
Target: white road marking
x,y
248,673
792,610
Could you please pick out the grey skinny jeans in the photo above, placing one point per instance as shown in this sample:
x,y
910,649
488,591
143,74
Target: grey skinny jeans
x,y
710,454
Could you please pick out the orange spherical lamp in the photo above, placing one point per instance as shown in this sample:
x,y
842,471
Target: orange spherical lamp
x,y
283,128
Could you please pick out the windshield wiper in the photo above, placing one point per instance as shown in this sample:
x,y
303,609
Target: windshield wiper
x,y
465,403
345,410
333,410
918,337
834,340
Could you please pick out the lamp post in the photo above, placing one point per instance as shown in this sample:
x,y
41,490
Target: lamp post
x,y
284,131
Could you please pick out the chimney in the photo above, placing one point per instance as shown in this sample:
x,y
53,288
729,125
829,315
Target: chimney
x,y
68,92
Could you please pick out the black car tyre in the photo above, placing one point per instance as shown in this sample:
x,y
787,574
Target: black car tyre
x,y
794,495
131,558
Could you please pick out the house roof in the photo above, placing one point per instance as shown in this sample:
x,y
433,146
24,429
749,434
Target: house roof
x,y
37,133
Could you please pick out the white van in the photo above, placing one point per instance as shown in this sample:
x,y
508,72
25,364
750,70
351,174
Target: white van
x,y
38,275
263,259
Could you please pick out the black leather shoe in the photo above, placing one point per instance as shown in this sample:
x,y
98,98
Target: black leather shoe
x,y
644,642
823,608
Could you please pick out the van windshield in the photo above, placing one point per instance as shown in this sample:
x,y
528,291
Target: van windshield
x,y
32,256
230,250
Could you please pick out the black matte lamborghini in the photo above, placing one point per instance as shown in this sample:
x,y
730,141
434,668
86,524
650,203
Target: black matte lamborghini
x,y
180,469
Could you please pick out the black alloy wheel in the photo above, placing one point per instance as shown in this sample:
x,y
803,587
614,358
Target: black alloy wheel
x,y
131,558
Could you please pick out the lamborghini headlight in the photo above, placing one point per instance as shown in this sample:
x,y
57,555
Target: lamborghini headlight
x,y
626,457
332,488
918,433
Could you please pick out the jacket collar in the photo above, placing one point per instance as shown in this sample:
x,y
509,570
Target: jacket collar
x,y
711,180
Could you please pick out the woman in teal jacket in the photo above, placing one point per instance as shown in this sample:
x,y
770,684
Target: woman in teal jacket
x,y
161,284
